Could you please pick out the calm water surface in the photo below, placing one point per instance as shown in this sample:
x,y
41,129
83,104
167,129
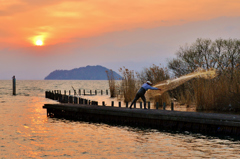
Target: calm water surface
x,y
26,132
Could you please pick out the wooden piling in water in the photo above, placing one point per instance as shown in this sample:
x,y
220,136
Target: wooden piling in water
x,y
164,106
112,103
76,100
149,105
14,85
172,106
157,105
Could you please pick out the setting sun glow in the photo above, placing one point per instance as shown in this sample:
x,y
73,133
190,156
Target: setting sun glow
x,y
39,43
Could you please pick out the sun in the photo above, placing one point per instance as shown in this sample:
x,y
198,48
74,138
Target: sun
x,y
39,43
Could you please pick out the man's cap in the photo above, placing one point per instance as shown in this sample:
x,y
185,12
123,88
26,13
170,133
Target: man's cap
x,y
149,82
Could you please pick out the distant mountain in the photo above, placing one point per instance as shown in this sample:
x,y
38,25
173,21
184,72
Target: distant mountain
x,y
83,73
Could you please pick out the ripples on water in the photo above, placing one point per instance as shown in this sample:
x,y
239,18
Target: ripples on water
x,y
26,132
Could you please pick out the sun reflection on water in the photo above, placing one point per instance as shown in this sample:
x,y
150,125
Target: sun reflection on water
x,y
26,132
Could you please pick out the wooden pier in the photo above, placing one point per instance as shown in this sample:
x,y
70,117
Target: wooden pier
x,y
210,123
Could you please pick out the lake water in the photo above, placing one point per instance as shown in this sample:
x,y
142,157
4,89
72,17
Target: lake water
x,y
27,132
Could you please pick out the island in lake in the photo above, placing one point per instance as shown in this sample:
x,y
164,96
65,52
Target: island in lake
x,y
82,73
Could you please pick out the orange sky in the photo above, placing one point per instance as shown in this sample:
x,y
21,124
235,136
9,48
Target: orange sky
x,y
111,33
23,22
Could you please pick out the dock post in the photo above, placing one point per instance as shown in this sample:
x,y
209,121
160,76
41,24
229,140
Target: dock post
x,y
172,106
112,103
60,99
84,92
14,85
76,100
126,104
148,105
95,92
79,91
65,99
164,106
71,99
90,92
46,94
80,101
157,105
52,95
119,104
103,103
106,92
140,105
101,92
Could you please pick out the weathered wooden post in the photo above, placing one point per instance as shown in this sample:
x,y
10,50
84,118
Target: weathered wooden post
x,y
84,92
65,98
14,85
112,103
101,92
172,106
46,94
157,105
79,91
80,101
75,100
148,105
119,104
164,106
95,92
90,92
71,99
140,105
60,99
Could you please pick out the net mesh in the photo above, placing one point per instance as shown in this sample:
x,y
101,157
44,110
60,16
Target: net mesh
x,y
173,83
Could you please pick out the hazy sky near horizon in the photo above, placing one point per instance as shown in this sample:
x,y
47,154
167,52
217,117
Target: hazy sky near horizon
x,y
37,37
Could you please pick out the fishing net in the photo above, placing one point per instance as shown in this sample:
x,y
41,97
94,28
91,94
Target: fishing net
x,y
173,83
